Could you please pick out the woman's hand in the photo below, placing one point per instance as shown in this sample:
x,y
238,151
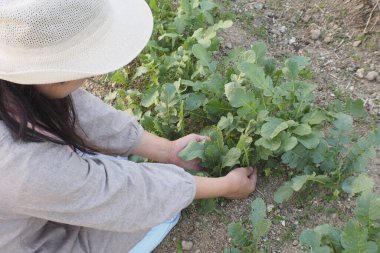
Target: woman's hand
x,y
237,184
241,181
181,143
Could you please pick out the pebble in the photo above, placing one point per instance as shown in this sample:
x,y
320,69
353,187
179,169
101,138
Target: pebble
x,y
315,34
259,6
328,39
228,45
292,40
295,243
283,223
378,78
270,208
296,223
306,18
372,75
198,251
283,29
357,43
187,245
360,73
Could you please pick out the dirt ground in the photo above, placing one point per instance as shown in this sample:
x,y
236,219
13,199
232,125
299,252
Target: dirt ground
x,y
340,37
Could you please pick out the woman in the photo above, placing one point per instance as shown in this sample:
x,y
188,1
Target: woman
x,y
54,195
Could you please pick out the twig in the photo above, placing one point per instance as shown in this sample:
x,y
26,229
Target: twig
x,y
370,17
262,194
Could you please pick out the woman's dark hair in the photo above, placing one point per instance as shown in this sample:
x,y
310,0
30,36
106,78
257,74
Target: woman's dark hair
x,y
33,117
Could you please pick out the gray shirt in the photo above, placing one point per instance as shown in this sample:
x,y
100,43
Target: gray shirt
x,y
54,200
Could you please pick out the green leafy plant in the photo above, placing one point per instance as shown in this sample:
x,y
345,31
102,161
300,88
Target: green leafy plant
x,y
360,234
245,241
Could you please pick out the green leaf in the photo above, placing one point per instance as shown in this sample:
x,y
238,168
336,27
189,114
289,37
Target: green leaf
x,y
149,97
354,239
272,145
302,130
310,141
287,142
299,181
356,108
225,122
231,158
193,150
119,77
256,75
260,224
367,209
237,95
238,234
310,238
314,118
260,50
319,154
201,53
284,192
194,101
358,184
272,128
291,69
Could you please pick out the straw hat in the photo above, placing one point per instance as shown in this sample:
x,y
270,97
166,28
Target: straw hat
x,y
49,41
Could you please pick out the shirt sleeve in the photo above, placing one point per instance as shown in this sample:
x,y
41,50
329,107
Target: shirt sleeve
x,y
102,126
52,182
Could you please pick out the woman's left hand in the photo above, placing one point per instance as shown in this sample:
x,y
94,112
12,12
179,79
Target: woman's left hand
x,y
181,143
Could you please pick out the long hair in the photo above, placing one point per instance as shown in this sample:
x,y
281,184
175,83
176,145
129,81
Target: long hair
x,y
32,117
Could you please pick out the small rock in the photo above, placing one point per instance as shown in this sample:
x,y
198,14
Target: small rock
x,y
292,40
295,243
283,29
296,223
351,88
372,75
360,73
228,45
283,223
328,39
198,251
259,6
315,34
306,18
378,78
187,245
270,208
357,43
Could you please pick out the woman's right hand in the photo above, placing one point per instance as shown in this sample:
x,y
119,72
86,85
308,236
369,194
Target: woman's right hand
x,y
240,183
237,184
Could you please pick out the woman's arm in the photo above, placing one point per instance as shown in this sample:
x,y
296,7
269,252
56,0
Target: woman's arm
x,y
165,151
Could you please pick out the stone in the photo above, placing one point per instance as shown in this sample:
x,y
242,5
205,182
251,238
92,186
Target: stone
x,y
187,245
228,45
295,243
259,6
328,39
315,34
283,29
357,43
292,40
378,78
270,208
306,18
372,75
360,73
283,223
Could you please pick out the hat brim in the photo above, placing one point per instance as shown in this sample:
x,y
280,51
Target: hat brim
x,y
129,29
